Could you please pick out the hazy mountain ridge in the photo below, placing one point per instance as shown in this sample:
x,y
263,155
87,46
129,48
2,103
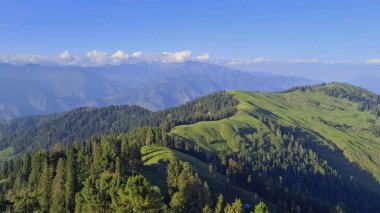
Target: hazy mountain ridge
x,y
36,89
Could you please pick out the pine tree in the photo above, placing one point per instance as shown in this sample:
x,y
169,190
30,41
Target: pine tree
x,y
43,188
139,196
25,203
206,209
219,204
178,203
261,208
149,137
36,167
70,185
206,197
88,199
25,167
249,179
58,189
236,207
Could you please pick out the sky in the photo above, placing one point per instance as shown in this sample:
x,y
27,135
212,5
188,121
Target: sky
x,y
282,30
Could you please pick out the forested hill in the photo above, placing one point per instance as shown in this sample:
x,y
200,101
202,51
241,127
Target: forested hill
x,y
309,149
333,127
30,133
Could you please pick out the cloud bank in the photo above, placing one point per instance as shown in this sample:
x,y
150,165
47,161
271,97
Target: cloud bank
x,y
203,57
98,57
373,61
248,61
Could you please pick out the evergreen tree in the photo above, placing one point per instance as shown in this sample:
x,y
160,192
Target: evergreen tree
x,y
206,209
87,200
249,179
43,188
219,204
25,204
70,185
139,196
58,189
26,167
36,167
236,207
261,208
206,195
178,203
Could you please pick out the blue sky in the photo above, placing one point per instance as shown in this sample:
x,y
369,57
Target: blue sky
x,y
346,30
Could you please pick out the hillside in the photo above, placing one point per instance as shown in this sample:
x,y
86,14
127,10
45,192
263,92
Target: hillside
x,y
334,125
302,134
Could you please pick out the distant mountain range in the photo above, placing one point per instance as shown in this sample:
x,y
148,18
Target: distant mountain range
x,y
359,74
37,89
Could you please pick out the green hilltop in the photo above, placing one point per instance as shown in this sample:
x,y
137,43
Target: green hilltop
x,y
340,122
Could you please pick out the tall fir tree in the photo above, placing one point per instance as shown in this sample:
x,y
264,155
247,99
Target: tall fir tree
x,y
58,189
219,204
44,187
71,182
261,208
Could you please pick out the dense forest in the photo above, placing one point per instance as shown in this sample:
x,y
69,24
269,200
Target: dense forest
x,y
105,172
104,175
32,133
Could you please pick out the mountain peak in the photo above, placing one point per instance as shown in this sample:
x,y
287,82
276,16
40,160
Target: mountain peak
x,y
341,86
367,99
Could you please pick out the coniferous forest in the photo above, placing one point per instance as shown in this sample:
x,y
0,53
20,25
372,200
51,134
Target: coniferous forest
x,y
98,164
104,175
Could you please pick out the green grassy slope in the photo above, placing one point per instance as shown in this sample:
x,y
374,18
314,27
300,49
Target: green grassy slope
x,y
343,134
216,181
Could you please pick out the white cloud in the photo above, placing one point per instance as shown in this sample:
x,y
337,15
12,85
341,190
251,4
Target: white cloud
x,y
137,54
249,61
65,55
373,61
97,56
304,61
16,59
260,60
203,57
176,57
119,56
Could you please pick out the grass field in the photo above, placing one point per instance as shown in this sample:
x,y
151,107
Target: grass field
x,y
336,123
216,181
